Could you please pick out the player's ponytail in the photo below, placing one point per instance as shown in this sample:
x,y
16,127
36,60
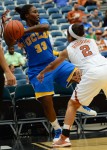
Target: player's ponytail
x,y
23,11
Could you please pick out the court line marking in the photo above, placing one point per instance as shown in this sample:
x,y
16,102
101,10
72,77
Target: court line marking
x,y
42,146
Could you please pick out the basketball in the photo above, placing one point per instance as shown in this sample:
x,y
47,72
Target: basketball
x,y
14,29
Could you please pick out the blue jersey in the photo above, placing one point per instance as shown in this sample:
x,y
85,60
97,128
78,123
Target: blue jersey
x,y
38,48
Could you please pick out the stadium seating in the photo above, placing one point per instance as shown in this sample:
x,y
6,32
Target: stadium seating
x,y
61,21
52,10
54,27
56,16
61,48
20,2
46,6
90,8
56,34
20,76
7,3
21,82
66,9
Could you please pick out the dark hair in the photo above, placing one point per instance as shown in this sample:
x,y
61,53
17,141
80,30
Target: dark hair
x,y
23,11
78,29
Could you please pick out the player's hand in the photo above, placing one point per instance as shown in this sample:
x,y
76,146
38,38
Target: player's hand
x,y
4,16
40,77
11,80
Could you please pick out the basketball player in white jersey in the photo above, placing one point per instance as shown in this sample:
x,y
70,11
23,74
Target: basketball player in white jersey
x,y
84,54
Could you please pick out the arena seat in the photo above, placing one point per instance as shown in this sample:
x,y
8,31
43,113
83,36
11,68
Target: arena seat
x,y
54,27
50,5
56,16
7,3
21,82
18,71
52,10
21,2
61,21
64,27
33,1
90,8
66,9
20,76
56,34
58,43
61,48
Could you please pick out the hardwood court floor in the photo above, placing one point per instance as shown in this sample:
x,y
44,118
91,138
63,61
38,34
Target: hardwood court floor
x,y
89,141
79,144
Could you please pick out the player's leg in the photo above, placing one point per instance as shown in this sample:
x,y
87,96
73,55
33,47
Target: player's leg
x,y
86,90
44,93
70,75
47,104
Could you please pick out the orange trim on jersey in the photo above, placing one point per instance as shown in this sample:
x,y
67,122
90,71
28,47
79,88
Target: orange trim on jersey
x,y
41,94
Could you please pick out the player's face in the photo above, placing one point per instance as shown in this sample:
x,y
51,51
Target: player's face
x,y
33,16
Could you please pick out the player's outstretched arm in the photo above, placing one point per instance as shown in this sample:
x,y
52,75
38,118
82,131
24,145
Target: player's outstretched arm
x,y
53,65
38,28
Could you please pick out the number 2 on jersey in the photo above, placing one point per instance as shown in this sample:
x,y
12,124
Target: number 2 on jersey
x,y
86,50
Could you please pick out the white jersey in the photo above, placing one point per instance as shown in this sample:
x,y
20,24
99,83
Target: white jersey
x,y
84,54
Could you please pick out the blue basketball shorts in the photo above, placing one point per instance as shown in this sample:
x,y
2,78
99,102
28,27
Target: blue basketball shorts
x,y
61,75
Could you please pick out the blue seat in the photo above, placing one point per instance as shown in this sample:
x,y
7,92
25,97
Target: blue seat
x,y
19,51
56,16
51,21
59,21
21,2
16,17
66,9
52,10
50,5
61,39
54,27
37,5
1,8
21,82
26,104
44,16
34,1
23,22
81,8
10,7
20,76
18,71
8,3
56,34
64,27
58,43
12,13
42,11
90,8
104,54
61,48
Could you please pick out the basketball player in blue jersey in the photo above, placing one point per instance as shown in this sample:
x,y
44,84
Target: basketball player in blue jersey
x,y
39,53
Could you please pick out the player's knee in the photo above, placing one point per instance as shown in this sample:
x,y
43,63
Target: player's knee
x,y
74,104
77,76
